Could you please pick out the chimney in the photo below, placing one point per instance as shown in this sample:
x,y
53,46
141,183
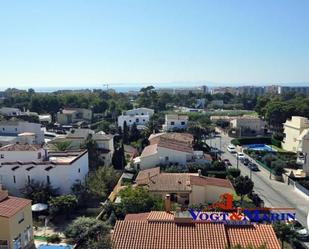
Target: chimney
x,y
199,172
167,203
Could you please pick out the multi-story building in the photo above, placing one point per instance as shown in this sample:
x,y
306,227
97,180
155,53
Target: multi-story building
x,y
254,124
138,116
20,131
22,163
174,122
9,111
294,130
70,116
251,90
15,222
296,89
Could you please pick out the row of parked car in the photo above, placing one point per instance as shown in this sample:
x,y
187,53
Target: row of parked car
x,y
241,157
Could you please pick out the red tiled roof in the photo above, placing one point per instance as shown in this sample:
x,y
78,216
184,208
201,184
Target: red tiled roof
x,y
204,181
143,175
160,231
149,150
139,216
21,147
12,205
168,235
254,235
180,137
175,145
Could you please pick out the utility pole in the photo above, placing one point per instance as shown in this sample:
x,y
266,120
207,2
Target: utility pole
x,y
237,160
220,145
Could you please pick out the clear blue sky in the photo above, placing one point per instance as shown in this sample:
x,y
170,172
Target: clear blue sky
x,y
84,43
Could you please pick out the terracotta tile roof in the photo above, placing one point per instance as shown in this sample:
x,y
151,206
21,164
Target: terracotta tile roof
x,y
171,182
160,216
168,235
21,147
157,181
12,205
204,181
144,175
181,137
149,150
175,145
160,231
139,216
176,117
253,235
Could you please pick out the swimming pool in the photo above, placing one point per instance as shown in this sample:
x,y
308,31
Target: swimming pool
x,y
261,147
44,246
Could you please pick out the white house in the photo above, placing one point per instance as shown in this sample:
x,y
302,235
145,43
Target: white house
x,y
175,121
138,116
104,141
9,111
253,123
294,130
22,163
21,130
166,148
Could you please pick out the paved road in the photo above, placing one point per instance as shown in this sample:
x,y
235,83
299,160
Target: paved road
x,y
274,193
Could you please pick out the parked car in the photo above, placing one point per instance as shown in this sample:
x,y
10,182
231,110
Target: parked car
x,y
253,166
246,161
301,231
231,148
240,156
214,150
227,162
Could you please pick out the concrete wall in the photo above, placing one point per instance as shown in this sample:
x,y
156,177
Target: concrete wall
x,y
26,156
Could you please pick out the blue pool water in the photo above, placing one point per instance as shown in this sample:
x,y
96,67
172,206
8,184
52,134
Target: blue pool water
x,y
54,247
262,147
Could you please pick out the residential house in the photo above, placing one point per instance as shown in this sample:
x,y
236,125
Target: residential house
x,y
294,130
166,148
70,116
9,111
158,229
22,163
138,116
15,222
77,137
174,122
21,132
184,188
251,123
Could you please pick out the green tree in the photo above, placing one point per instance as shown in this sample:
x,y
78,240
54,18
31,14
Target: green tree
x,y
89,233
139,199
284,232
39,192
102,181
62,146
125,133
243,185
93,153
134,134
118,159
63,204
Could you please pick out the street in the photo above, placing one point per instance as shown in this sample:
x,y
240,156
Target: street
x,y
274,193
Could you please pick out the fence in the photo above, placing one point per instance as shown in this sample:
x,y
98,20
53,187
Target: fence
x,y
298,186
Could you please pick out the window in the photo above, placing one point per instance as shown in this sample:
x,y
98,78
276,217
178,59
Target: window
x,y
39,155
166,158
2,156
172,123
130,121
14,179
137,120
3,129
29,180
142,113
20,217
78,170
143,120
4,244
182,123
48,179
15,129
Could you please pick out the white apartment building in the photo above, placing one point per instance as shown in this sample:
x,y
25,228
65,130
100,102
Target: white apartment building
x,y
175,121
22,163
21,130
248,122
294,129
9,111
138,116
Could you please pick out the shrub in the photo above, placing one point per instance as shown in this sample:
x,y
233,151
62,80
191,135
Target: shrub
x,y
233,172
54,238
